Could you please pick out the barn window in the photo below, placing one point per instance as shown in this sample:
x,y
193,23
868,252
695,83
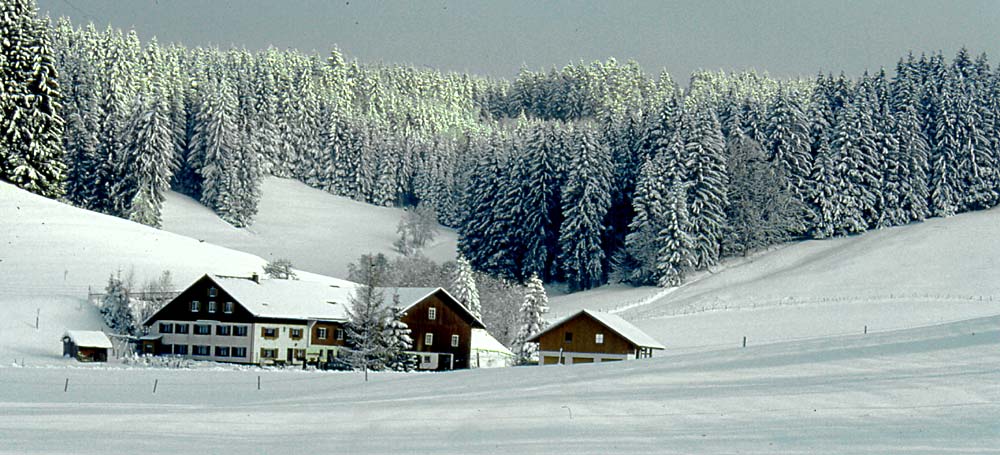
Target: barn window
x,y
599,338
212,292
166,328
428,339
296,334
223,330
269,332
321,333
427,359
180,349
195,306
202,329
268,353
228,307
239,352
454,341
432,313
222,351
180,328
211,306
202,350
339,334
568,338
240,330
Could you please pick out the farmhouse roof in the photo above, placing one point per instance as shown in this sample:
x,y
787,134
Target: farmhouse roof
x,y
613,322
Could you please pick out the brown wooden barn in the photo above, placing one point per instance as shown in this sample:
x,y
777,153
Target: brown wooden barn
x,y
291,322
86,345
591,336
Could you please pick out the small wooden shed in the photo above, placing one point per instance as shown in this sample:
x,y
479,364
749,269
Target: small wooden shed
x,y
592,336
86,345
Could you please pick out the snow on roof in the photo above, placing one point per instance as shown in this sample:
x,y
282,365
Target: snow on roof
x,y
289,299
483,341
613,322
88,338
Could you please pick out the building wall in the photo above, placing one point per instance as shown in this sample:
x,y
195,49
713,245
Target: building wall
x,y
447,322
282,342
584,330
169,341
570,358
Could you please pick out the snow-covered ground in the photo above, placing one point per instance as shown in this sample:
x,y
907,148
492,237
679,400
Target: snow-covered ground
x,y
930,390
923,380
317,231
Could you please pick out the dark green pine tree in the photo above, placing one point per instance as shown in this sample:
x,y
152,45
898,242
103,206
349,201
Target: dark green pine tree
x,y
585,201
708,185
913,147
31,129
945,181
788,142
676,254
853,149
543,165
146,161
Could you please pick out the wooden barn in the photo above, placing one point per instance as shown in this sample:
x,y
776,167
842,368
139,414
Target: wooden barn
x,y
591,336
86,346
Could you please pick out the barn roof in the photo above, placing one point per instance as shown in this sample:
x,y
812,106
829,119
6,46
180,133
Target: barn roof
x,y
612,322
88,338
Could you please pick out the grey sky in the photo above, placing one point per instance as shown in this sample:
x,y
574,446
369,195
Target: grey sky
x,y
783,37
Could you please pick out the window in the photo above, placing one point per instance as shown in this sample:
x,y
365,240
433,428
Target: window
x,y
599,338
295,334
239,330
180,349
427,359
166,348
321,333
222,351
568,337
299,354
202,350
195,306
339,334
202,329
432,313
211,306
268,353
212,292
180,328
227,307
238,352
166,328
269,332
428,339
454,341
223,330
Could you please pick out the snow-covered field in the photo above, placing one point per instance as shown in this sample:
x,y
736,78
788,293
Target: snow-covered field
x,y
317,231
923,380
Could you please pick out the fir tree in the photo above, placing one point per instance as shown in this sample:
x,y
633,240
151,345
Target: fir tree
x,y
397,339
531,320
708,182
585,201
676,256
366,325
464,286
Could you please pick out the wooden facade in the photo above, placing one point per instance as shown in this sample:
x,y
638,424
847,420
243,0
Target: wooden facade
x,y
86,346
589,337
449,320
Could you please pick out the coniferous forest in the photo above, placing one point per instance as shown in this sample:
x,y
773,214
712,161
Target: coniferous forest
x,y
587,174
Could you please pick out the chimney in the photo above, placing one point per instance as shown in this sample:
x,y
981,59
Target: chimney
x,y
255,278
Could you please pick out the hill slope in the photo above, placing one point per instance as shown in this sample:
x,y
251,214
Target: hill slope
x,y
317,231
51,254
937,271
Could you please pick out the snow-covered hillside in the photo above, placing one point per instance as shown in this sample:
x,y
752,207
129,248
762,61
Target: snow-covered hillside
x,y
944,269
51,254
317,231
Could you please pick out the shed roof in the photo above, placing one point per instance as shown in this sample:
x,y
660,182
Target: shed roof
x,y
483,341
88,338
613,322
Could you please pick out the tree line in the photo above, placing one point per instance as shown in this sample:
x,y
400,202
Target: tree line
x,y
586,174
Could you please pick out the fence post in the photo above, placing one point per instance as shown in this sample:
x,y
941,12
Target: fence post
x,y
866,329
744,341
258,382
155,383
66,385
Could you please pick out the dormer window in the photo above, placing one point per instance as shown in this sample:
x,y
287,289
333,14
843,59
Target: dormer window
x,y
212,292
432,313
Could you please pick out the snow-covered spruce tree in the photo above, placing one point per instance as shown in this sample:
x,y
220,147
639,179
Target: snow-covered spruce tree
x,y
31,129
531,320
913,146
464,286
585,201
788,141
398,341
853,150
416,229
707,193
945,181
676,255
116,305
280,269
146,159
367,315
